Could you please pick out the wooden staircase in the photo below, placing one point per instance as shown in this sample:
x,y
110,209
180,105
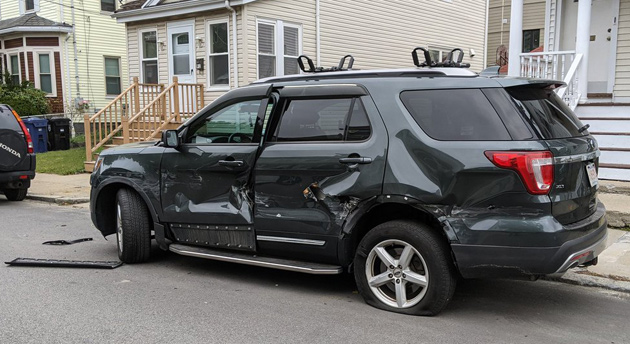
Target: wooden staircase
x,y
140,113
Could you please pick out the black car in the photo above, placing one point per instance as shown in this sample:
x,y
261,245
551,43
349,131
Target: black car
x,y
408,178
17,159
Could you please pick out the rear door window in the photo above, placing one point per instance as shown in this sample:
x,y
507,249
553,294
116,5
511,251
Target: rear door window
x,y
455,115
547,113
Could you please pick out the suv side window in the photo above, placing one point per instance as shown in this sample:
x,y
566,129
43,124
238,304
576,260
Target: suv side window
x,y
455,115
232,124
323,120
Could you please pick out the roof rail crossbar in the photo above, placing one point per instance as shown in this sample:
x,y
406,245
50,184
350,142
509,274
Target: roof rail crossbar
x,y
448,62
312,69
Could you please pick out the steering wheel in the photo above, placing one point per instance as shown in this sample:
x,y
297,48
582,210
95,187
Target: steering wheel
x,y
244,138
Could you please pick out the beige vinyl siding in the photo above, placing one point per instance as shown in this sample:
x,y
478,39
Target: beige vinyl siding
x,y
382,34
10,9
498,33
622,72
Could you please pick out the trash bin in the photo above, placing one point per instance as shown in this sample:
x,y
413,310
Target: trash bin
x,y
59,133
39,134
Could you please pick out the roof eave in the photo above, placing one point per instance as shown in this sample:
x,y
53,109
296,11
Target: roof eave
x,y
15,29
180,8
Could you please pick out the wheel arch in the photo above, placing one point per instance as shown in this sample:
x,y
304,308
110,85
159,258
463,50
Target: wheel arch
x,y
389,208
105,203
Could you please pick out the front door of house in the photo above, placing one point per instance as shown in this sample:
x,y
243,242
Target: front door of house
x,y
181,58
602,47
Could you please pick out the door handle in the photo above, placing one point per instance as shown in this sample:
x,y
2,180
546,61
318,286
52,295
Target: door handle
x,y
355,160
231,163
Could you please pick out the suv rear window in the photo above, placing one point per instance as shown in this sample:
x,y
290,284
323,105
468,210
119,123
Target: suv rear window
x,y
455,115
547,113
8,121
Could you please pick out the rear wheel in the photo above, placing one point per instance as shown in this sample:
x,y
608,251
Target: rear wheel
x,y
133,227
404,267
15,194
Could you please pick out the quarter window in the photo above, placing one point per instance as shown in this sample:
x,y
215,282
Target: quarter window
x,y
455,115
323,120
149,57
45,75
219,64
232,124
112,75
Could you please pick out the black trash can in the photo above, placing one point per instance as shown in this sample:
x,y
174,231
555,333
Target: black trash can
x,y
59,134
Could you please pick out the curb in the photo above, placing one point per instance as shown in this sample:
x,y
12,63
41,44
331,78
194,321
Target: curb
x,y
583,278
617,219
58,199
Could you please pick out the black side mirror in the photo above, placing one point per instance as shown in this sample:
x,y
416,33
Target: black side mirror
x,y
170,138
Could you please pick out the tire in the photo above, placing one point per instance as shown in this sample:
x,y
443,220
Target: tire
x,y
423,286
15,194
133,227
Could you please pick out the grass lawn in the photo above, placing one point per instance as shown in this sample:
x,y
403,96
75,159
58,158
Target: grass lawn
x,y
61,162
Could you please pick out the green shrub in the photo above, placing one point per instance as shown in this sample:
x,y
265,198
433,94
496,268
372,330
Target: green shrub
x,y
24,98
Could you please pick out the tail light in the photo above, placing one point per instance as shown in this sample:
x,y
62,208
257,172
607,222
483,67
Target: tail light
x,y
29,141
534,168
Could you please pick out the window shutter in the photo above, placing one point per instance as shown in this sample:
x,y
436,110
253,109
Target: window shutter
x,y
291,41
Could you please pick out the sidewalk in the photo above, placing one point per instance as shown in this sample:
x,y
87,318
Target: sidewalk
x,y
611,272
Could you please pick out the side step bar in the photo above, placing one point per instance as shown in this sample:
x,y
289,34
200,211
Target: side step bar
x,y
255,260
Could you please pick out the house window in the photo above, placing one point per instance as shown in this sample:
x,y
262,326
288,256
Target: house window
x,y
45,75
149,57
531,40
29,5
112,76
15,70
218,60
279,45
26,6
108,5
438,54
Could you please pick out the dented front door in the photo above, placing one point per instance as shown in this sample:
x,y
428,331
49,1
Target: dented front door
x,y
309,178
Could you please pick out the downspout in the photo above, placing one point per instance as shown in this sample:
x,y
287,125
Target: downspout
x,y
74,44
317,36
234,42
485,40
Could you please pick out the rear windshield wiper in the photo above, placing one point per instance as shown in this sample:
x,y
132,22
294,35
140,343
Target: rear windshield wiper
x,y
586,126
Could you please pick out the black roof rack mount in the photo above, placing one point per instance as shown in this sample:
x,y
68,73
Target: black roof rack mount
x,y
448,61
312,69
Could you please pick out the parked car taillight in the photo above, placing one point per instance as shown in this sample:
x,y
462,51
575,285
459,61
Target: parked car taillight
x,y
29,141
535,168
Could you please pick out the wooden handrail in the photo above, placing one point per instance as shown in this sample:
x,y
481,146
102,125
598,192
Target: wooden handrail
x,y
144,109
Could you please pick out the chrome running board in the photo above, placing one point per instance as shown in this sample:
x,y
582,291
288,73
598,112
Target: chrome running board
x,y
255,260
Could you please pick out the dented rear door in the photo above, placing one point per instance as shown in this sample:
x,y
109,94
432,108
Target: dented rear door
x,y
325,153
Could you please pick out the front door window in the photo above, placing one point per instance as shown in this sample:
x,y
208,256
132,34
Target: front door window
x,y
232,124
181,53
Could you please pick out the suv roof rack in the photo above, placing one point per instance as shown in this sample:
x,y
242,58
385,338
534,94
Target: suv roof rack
x,y
448,62
313,69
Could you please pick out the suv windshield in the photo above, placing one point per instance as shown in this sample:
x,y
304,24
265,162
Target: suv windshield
x,y
551,117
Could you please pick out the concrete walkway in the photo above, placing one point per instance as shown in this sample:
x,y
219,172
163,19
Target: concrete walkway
x,y
612,271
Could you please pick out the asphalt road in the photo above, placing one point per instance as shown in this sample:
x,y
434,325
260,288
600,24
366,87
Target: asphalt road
x,y
176,299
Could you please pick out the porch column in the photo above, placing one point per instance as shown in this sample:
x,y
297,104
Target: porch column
x,y
516,38
582,42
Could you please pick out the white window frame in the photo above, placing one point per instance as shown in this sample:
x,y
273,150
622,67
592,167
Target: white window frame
x,y
210,86
107,95
441,49
278,43
141,52
53,80
23,10
107,12
10,65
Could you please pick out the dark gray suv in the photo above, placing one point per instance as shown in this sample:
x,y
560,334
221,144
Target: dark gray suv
x,y
408,178
17,158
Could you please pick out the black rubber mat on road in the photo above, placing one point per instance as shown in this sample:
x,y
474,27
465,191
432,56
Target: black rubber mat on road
x,y
56,263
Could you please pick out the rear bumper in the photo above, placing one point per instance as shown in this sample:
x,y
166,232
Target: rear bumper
x,y
16,179
476,261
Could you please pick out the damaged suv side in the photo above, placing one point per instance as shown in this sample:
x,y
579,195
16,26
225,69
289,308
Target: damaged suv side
x,y
408,178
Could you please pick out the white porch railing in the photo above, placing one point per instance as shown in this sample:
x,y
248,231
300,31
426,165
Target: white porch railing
x,y
556,65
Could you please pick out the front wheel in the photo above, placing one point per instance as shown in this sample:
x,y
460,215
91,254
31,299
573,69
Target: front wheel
x,y
133,227
15,194
404,267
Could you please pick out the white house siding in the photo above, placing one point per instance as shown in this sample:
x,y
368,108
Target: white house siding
x,y
622,72
499,33
382,34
